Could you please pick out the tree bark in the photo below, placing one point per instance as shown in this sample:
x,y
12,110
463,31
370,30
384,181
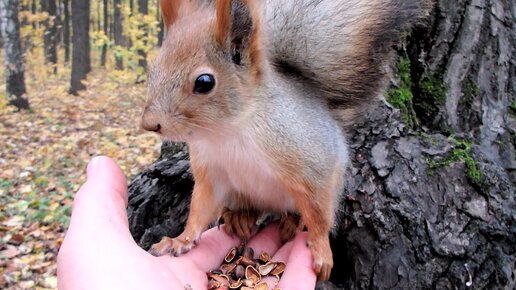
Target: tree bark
x,y
13,54
50,37
470,47
118,32
143,9
425,207
66,30
81,63
106,32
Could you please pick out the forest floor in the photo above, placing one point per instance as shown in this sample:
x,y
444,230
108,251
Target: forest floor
x,y
43,158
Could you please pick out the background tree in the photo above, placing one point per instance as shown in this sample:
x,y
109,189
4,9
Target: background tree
x,y
143,9
118,33
13,54
1,37
81,63
50,37
105,25
66,30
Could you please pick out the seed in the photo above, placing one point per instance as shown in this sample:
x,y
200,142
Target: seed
x,y
280,268
222,279
217,272
240,272
261,286
213,284
246,261
248,253
265,257
235,284
228,268
266,269
248,282
231,255
252,274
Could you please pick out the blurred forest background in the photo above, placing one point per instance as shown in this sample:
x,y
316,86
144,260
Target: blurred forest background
x,y
73,86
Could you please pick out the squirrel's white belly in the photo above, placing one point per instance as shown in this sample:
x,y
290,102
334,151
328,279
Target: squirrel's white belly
x,y
241,174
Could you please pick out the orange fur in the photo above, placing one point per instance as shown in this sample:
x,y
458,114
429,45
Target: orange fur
x,y
223,24
169,10
313,207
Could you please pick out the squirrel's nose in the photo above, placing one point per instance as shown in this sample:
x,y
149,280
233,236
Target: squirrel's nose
x,y
150,123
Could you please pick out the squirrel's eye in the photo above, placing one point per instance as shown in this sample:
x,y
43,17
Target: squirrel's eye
x,y
204,84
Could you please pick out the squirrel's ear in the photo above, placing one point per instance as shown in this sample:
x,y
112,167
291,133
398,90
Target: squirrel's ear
x,y
237,28
170,9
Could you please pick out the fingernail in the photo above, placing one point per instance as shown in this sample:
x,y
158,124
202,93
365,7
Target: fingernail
x,y
94,164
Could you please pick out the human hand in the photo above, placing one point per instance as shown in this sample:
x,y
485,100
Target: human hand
x,y
99,252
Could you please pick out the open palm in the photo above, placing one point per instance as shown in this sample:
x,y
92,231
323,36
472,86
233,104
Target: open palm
x,y
99,252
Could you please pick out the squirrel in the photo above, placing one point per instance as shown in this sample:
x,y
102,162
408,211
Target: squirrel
x,y
261,92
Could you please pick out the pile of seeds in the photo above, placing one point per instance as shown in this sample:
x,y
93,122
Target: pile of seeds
x,y
241,271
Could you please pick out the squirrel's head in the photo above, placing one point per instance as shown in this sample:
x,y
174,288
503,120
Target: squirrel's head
x,y
209,62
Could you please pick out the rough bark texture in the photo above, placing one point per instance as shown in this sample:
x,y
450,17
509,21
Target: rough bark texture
x,y
429,207
118,30
81,62
13,54
471,49
50,37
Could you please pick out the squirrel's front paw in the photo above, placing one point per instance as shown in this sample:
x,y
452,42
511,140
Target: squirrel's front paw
x,y
172,246
323,260
290,225
239,222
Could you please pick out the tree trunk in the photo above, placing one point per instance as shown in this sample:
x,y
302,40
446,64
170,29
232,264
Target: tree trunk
x,y
50,37
470,51
66,30
105,27
430,206
161,32
13,54
1,37
118,32
81,63
143,9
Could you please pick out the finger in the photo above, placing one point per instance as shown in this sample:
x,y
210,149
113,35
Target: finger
x,y
281,256
214,245
299,273
100,204
268,240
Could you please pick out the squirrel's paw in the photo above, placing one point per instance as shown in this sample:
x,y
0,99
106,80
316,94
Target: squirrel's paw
x,y
289,226
323,260
240,223
172,246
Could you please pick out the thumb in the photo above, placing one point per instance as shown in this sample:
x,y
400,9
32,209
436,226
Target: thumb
x,y
101,202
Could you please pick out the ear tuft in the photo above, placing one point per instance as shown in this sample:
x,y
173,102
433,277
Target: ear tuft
x,y
169,11
237,29
222,26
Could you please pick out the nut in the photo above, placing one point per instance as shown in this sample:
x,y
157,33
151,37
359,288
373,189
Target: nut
x,y
231,255
279,269
261,286
265,257
266,269
252,274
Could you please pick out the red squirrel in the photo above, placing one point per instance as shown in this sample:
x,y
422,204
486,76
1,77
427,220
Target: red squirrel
x,y
260,91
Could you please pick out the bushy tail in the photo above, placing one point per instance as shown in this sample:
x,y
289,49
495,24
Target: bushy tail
x,y
341,46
